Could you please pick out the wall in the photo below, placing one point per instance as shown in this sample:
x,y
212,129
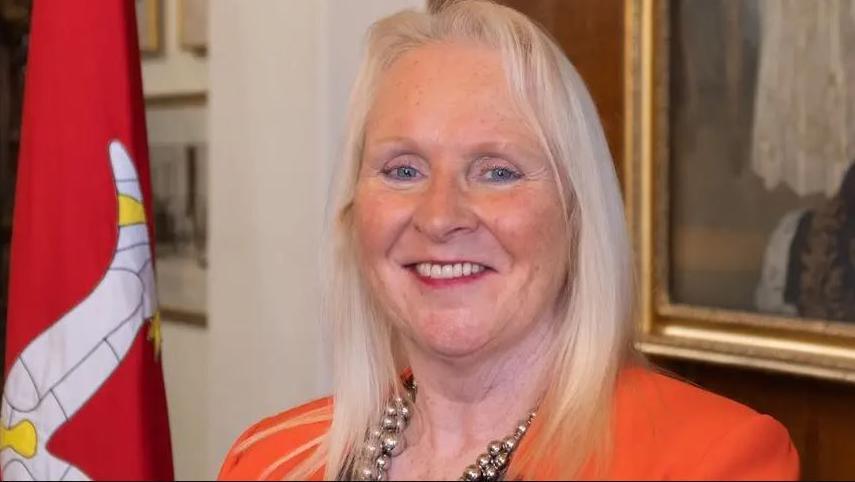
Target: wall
x,y
174,117
591,34
279,76
185,358
186,365
266,171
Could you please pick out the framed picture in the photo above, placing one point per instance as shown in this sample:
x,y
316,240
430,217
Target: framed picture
x,y
150,26
178,153
193,25
740,191
180,200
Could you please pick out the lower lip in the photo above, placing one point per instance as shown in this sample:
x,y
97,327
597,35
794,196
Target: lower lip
x,y
449,282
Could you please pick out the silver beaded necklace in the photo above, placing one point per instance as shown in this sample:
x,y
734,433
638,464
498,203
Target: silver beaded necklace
x,y
387,441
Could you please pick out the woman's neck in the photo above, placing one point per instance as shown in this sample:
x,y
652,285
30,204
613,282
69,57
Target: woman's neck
x,y
463,404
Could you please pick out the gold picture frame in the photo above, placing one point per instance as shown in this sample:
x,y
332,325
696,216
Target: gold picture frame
x,y
150,26
809,347
193,25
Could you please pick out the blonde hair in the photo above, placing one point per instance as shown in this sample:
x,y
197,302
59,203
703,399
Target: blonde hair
x,y
592,340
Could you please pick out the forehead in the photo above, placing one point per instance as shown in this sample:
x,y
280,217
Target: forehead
x,y
445,86
449,65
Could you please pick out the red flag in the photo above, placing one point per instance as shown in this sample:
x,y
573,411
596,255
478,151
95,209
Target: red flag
x,y
83,394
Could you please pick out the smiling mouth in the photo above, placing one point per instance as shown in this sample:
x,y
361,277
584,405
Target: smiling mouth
x,y
448,271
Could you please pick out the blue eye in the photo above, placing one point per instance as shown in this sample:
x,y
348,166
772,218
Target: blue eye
x,y
403,173
502,174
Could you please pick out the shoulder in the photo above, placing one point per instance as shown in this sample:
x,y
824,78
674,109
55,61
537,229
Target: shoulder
x,y
654,393
668,428
275,445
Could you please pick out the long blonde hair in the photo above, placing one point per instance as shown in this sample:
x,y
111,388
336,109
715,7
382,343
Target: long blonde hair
x,y
592,340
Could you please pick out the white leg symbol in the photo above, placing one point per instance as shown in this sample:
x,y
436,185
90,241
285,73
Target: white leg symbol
x,y
60,370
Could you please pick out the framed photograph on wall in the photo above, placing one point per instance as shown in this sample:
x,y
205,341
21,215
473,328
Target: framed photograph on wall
x,y
180,200
193,25
178,152
150,26
739,180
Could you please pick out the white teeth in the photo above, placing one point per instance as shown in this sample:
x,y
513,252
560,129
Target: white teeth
x,y
448,271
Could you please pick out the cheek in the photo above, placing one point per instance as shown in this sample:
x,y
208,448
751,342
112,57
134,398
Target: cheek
x,y
378,219
531,228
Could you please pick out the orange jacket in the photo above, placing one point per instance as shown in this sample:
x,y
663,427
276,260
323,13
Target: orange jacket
x,y
664,429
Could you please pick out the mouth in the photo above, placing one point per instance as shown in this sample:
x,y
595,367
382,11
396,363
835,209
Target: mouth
x,y
444,273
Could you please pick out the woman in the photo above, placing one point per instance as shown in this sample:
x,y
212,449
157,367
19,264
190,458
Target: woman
x,y
481,285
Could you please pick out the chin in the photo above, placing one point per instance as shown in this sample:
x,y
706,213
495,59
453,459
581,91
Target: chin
x,y
451,336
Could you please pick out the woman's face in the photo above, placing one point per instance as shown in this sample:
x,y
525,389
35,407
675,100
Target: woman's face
x,y
458,220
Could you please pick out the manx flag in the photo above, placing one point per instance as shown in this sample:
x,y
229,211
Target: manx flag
x,y
83,396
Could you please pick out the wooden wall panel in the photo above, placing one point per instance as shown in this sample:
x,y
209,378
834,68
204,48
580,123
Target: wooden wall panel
x,y
591,33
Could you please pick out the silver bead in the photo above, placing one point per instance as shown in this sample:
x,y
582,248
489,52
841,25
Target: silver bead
x,y
371,449
366,473
375,434
484,460
393,444
490,473
404,411
520,430
494,447
501,460
472,473
388,423
400,424
509,444
398,400
381,476
391,410
383,462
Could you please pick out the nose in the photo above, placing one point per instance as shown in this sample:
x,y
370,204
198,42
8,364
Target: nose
x,y
444,210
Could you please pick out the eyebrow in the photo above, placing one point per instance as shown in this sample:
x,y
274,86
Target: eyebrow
x,y
405,141
484,147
